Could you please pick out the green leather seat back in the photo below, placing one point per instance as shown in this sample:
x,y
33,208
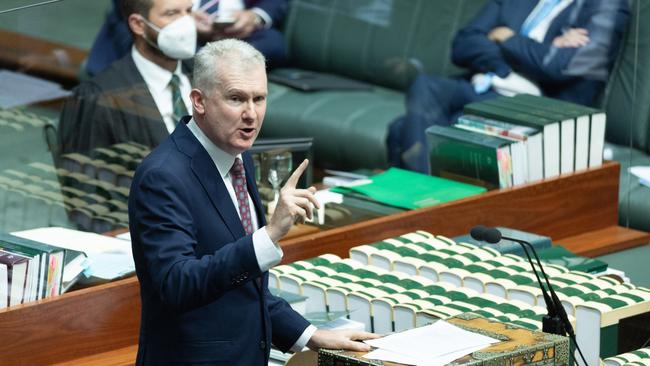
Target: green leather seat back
x,y
627,97
384,42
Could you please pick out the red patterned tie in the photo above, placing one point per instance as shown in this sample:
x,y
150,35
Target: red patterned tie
x,y
239,183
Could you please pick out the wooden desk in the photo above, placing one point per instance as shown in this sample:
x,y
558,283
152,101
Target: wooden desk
x,y
566,208
99,325
50,60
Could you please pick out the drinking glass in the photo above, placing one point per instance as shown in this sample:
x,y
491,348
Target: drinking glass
x,y
279,168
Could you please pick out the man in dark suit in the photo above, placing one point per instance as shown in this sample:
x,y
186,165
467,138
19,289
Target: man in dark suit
x,y
254,21
558,48
140,97
201,245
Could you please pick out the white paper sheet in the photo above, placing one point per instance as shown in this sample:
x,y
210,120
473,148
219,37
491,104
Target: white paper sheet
x,y
432,345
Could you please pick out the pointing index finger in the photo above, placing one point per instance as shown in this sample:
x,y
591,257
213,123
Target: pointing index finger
x,y
295,176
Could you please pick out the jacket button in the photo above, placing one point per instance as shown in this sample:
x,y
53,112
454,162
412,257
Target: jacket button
x,y
262,345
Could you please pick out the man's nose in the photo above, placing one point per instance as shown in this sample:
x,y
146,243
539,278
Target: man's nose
x,y
249,111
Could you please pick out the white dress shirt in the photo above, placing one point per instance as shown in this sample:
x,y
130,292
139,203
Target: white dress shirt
x,y
539,31
267,253
157,80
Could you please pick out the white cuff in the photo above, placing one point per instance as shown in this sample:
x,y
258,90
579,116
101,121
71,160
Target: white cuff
x,y
268,22
514,84
267,253
304,338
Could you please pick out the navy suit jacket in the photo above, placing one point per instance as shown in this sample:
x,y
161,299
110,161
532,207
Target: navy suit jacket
x,y
575,74
202,302
112,107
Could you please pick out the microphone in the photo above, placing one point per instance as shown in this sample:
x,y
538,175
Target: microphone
x,y
550,323
553,321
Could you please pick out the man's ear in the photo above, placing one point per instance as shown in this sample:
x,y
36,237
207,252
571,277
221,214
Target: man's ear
x,y
136,24
198,101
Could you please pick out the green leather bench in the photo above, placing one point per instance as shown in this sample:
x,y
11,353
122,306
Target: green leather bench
x,y
386,43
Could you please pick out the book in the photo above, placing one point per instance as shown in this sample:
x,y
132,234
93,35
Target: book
x,y
597,122
528,139
505,246
456,152
17,278
567,124
550,131
581,121
410,190
108,258
48,263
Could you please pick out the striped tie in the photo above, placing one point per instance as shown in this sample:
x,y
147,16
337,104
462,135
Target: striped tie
x,y
178,104
543,12
239,183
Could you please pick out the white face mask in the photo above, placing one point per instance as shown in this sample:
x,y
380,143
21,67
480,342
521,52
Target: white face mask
x,y
177,39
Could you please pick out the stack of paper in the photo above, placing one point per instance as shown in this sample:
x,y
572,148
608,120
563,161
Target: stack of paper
x,y
433,345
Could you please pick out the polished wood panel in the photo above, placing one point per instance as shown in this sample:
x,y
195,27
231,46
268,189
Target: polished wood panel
x,y
604,241
560,207
119,357
75,325
36,56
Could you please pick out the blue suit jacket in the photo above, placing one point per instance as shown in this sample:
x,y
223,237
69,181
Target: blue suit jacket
x,y
575,74
201,299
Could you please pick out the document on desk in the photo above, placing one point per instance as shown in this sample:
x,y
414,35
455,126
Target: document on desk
x,y
433,345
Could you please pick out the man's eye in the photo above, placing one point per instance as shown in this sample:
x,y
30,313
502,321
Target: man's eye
x,y
235,99
259,99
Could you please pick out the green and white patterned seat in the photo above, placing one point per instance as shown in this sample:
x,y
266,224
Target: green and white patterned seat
x,y
642,354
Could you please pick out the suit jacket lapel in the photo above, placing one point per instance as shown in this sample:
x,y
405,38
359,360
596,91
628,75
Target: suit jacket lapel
x,y
208,175
143,102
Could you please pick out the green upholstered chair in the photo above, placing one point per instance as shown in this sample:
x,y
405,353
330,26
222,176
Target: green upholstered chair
x,y
627,103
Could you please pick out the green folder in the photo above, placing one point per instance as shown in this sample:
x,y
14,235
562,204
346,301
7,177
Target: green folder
x,y
410,190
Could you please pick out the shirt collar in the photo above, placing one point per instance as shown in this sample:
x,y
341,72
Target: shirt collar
x,y
155,76
221,159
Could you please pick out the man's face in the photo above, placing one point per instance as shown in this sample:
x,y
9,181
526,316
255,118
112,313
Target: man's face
x,y
164,12
232,115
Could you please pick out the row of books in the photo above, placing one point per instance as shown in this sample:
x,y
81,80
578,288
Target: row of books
x,y
639,357
407,281
509,141
373,295
31,270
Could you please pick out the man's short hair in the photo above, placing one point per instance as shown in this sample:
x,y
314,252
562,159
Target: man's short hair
x,y
142,7
209,60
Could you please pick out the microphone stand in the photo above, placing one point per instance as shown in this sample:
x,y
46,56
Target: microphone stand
x,y
557,304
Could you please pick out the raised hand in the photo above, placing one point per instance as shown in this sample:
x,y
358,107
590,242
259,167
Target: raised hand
x,y
294,205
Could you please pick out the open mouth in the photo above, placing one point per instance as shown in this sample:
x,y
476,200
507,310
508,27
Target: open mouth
x,y
248,130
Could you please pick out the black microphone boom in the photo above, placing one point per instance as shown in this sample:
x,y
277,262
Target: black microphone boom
x,y
550,323
556,321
